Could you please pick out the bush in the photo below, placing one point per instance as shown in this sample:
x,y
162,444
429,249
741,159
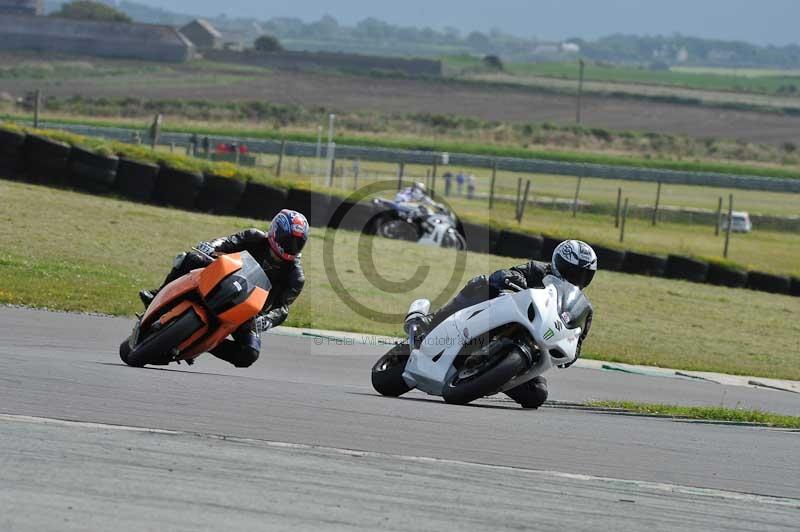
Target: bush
x,y
267,43
88,10
493,62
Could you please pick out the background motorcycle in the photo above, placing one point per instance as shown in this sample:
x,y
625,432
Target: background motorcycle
x,y
425,224
196,312
491,347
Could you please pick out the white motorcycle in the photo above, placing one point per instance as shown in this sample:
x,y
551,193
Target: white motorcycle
x,y
431,225
491,347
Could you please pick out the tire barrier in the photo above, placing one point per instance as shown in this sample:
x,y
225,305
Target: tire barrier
x,y
549,245
480,238
91,171
46,160
767,282
794,287
644,264
519,245
220,195
609,258
177,188
12,162
686,268
261,201
136,180
722,275
351,216
314,205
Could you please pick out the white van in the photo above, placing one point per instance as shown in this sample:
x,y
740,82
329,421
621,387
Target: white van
x,y
741,222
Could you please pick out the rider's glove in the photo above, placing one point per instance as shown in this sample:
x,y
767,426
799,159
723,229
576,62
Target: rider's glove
x,y
262,324
206,248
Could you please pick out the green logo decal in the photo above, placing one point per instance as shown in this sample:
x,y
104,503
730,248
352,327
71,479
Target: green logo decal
x,y
549,334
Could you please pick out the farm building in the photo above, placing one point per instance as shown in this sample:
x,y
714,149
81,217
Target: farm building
x,y
202,34
21,7
101,39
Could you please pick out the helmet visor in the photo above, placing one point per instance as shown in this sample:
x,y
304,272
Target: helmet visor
x,y
574,274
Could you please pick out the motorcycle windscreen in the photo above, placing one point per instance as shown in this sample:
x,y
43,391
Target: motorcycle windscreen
x,y
573,305
237,287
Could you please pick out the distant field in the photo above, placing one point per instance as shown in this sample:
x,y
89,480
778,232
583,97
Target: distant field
x,y
767,82
126,246
512,103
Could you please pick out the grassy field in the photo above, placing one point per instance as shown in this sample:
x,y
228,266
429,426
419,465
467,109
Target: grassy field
x,y
710,413
94,254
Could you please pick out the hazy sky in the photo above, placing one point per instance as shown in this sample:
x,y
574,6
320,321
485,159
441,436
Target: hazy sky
x,y
757,21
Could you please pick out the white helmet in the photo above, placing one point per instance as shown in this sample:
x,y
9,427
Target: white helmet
x,y
575,262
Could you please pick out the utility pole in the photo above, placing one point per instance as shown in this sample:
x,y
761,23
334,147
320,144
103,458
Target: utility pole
x,y
580,91
730,225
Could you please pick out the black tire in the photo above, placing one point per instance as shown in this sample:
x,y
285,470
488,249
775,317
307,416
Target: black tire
x,y
136,180
314,205
609,259
261,202
454,240
766,282
92,172
220,195
480,239
519,245
177,188
644,264
531,394
351,216
794,288
155,348
46,160
719,274
12,161
125,350
387,373
501,370
549,245
687,268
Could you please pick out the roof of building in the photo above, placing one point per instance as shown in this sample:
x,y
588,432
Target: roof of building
x,y
206,25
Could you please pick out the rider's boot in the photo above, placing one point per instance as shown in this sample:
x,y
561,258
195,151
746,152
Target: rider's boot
x,y
147,296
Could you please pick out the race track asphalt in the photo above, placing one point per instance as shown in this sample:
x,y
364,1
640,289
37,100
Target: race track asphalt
x,y
301,441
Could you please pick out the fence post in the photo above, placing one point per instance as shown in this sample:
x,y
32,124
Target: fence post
x,y
356,171
37,102
730,225
332,170
491,187
155,130
624,219
280,158
524,202
519,194
400,171
658,201
331,156
575,201
319,150
719,217
619,206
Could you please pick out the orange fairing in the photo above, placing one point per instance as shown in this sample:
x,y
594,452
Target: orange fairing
x,y
171,292
218,270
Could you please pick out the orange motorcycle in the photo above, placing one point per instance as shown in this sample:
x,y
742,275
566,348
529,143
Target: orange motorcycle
x,y
196,312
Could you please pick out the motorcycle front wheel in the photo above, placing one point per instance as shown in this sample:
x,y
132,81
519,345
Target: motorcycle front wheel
x,y
473,382
387,373
156,347
453,240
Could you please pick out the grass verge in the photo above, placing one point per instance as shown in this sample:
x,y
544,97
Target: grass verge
x,y
75,252
710,413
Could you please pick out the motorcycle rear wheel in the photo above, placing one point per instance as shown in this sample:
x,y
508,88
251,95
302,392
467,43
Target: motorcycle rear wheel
x,y
387,373
487,381
155,349
398,230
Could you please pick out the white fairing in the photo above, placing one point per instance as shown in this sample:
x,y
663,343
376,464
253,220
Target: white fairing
x,y
438,229
431,364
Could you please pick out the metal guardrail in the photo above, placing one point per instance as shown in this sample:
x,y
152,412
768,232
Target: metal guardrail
x,y
532,166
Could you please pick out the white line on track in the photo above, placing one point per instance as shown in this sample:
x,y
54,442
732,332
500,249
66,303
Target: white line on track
x,y
641,484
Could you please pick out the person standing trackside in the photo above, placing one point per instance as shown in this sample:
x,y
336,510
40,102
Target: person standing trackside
x,y
448,183
470,186
460,183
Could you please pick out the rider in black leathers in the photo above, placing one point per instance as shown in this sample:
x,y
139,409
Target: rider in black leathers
x,y
282,266
573,261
